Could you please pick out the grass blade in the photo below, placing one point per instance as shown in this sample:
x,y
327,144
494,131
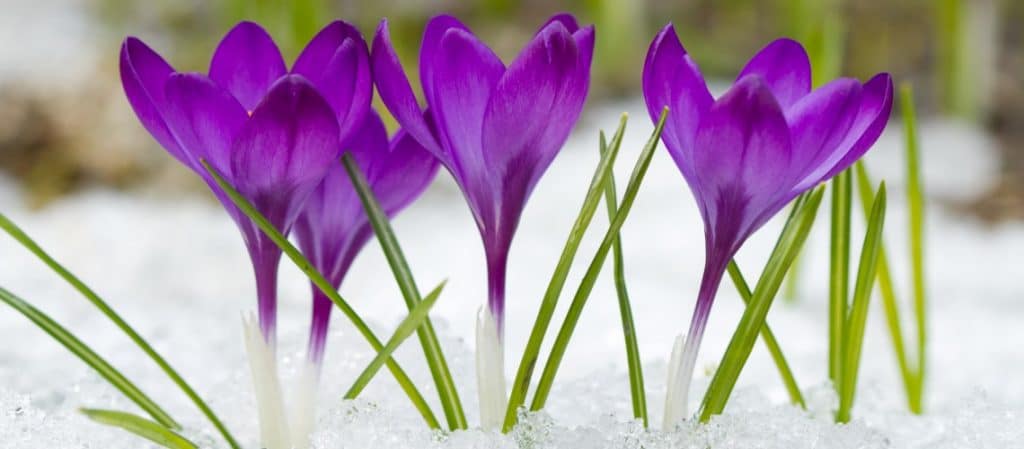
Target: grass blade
x,y
770,342
139,426
446,390
636,373
853,337
87,355
839,271
19,235
325,286
416,318
915,204
547,306
590,278
887,292
742,343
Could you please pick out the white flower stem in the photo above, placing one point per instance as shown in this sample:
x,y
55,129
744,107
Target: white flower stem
x,y
267,386
490,371
680,372
303,407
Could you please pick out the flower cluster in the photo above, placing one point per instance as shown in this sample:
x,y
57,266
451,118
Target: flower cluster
x,y
276,135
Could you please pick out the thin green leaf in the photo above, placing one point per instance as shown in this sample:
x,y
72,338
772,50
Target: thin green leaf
x,y
853,337
325,286
140,427
87,355
416,318
18,234
432,351
839,271
572,317
636,373
547,306
770,342
742,343
915,205
887,292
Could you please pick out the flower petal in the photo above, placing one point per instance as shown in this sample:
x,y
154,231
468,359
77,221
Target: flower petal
x,y
584,36
247,63
205,118
742,158
785,68
396,93
671,78
336,61
875,107
285,149
143,74
465,73
432,35
531,111
402,173
819,122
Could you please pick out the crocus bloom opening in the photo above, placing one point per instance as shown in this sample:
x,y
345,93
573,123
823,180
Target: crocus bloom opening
x,y
747,154
271,133
333,227
495,128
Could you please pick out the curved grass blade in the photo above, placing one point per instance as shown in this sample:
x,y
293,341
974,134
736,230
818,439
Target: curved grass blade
x,y
416,318
636,373
324,285
19,235
446,390
915,205
139,426
87,355
853,337
742,343
547,306
770,342
887,292
572,317
839,271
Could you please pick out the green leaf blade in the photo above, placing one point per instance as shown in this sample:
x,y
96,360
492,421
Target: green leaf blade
x,y
140,427
432,351
114,377
790,241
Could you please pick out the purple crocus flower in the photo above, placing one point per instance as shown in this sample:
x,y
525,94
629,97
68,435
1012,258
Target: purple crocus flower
x,y
495,128
271,132
333,227
747,154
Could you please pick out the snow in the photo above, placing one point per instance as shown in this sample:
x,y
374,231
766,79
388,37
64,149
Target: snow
x,y
175,267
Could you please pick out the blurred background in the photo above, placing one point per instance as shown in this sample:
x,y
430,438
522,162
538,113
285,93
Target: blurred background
x,y
65,125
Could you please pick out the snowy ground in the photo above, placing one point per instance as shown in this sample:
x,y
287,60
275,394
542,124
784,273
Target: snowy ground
x,y
176,268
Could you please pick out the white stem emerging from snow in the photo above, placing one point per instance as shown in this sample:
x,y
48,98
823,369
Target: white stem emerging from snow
x,y
269,404
680,372
303,411
490,371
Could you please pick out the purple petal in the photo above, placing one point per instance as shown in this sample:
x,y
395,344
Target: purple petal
x,y
742,158
143,74
403,173
532,110
785,68
247,63
205,118
336,61
671,78
818,123
584,36
396,93
465,74
285,149
432,35
875,107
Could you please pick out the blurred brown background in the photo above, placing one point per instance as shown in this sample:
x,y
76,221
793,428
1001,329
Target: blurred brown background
x,y
64,123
